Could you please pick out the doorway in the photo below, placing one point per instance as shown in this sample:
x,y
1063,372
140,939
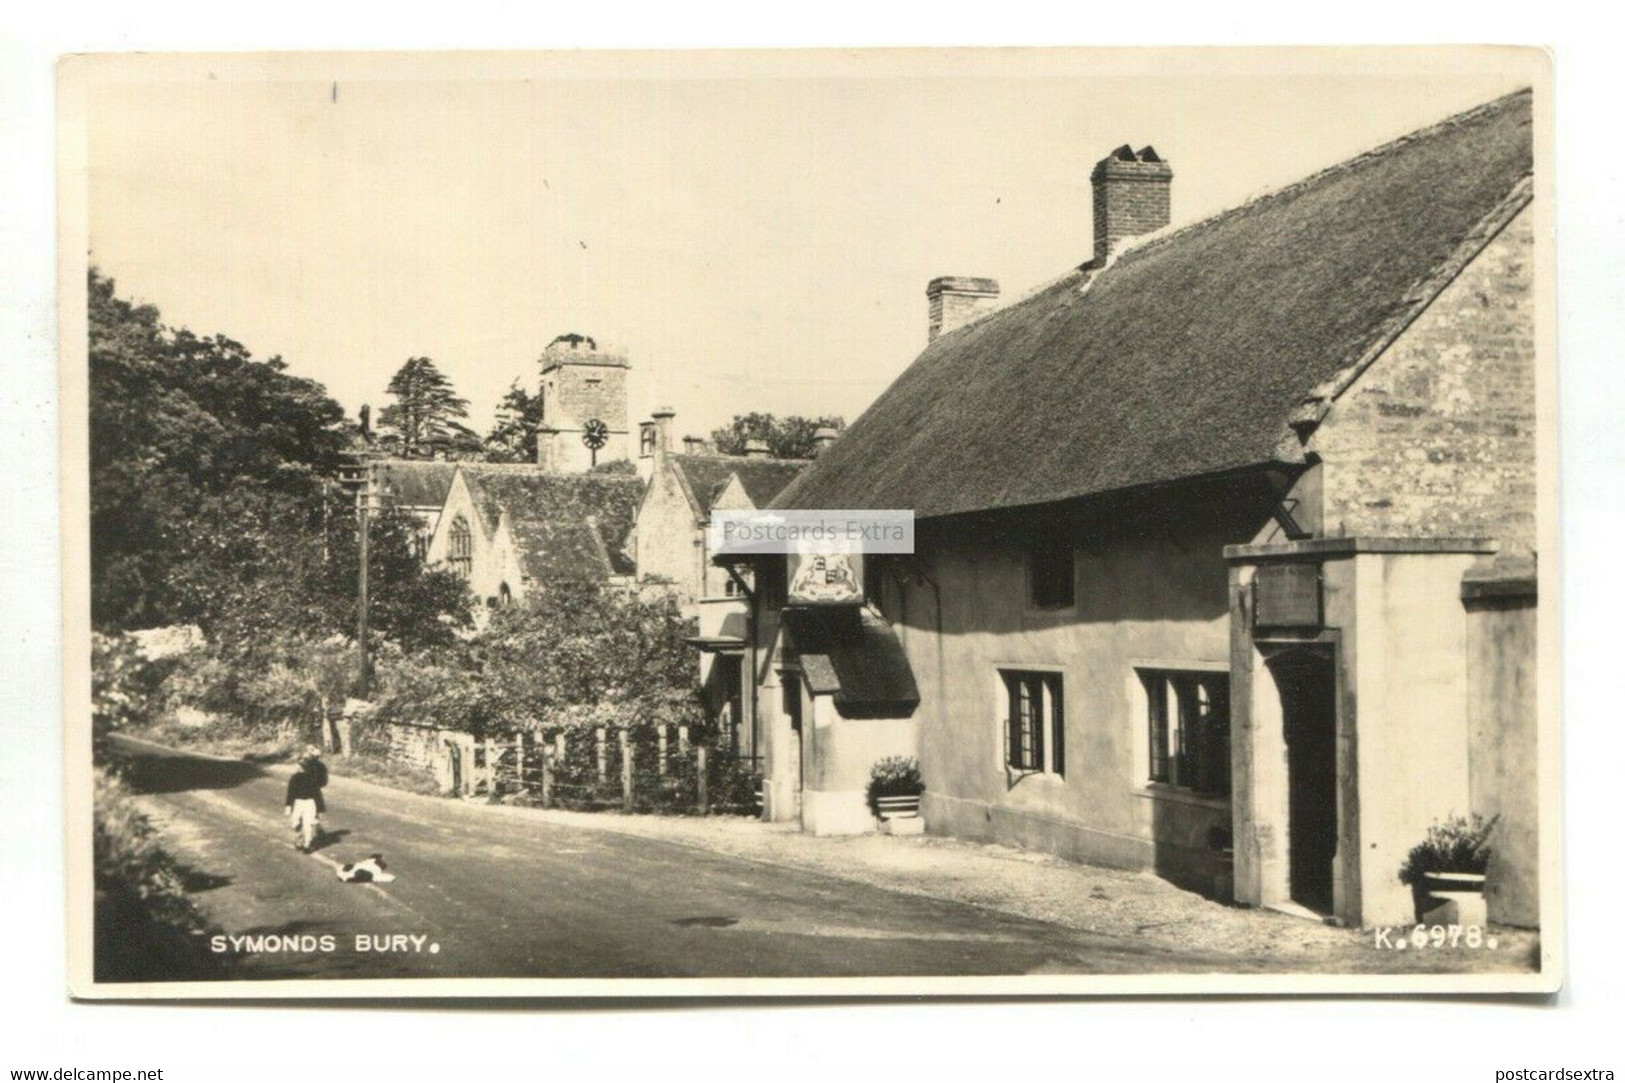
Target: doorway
x,y
454,768
1307,683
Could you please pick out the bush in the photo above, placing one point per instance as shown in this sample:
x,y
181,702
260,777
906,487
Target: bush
x,y
125,686
146,927
894,776
1458,844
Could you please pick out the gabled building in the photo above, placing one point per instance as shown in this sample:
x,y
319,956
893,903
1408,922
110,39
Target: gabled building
x,y
416,487
1224,556
672,557
511,530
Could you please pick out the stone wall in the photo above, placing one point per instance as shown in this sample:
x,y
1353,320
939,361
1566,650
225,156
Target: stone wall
x,y
1437,437
1502,728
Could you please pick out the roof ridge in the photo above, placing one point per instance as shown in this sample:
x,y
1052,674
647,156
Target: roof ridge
x,y
738,458
1161,238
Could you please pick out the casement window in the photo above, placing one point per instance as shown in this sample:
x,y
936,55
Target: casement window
x,y
1050,579
460,548
1034,722
1188,715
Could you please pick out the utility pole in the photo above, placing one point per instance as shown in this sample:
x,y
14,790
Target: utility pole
x,y
358,476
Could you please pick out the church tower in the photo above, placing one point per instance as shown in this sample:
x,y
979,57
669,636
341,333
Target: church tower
x,y
584,417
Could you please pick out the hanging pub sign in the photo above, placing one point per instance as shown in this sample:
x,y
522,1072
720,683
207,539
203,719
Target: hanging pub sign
x,y
824,579
1287,596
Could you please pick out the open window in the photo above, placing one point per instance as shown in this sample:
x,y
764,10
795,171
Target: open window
x,y
1034,722
1188,717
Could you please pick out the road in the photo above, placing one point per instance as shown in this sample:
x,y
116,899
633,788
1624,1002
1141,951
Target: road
x,y
482,892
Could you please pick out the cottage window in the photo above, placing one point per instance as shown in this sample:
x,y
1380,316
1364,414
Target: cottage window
x,y
460,550
1189,719
1034,723
1050,582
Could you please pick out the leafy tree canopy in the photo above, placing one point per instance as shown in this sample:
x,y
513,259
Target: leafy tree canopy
x,y
211,499
512,438
182,426
789,437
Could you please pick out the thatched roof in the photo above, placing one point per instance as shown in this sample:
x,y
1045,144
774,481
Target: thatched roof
x,y
566,526
704,477
1193,353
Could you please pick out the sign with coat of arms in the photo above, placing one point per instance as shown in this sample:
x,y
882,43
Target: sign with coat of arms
x,y
824,579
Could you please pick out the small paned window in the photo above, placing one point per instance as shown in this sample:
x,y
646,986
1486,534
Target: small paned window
x,y
1188,715
1035,722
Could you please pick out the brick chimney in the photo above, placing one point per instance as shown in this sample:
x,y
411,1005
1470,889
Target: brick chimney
x,y
756,449
954,301
823,439
1131,197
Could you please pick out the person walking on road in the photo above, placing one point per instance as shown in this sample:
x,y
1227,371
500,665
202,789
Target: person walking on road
x,y
304,805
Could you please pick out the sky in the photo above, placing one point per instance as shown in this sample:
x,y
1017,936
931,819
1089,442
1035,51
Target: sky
x,y
755,230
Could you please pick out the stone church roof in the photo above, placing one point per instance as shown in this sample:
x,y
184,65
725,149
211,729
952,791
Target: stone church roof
x,y
415,483
566,526
1197,352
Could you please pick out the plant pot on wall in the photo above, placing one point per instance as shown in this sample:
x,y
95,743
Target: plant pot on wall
x,y
895,787
1446,872
1451,898
900,815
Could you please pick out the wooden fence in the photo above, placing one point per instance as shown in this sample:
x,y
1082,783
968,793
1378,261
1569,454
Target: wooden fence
x,y
636,769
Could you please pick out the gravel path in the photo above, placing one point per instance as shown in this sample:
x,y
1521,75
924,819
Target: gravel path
x,y
1094,899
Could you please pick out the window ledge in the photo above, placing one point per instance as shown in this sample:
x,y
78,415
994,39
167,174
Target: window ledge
x,y
1179,795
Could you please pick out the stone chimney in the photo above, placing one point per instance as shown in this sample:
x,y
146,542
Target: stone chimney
x,y
756,449
663,418
823,439
954,301
654,441
1131,197
693,445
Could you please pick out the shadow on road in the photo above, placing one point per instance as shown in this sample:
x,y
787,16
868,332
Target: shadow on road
x,y
150,774
196,881
328,838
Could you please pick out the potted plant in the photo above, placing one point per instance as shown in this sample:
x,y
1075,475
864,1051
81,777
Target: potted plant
x,y
1448,867
894,795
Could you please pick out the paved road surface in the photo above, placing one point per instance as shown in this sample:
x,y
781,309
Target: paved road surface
x,y
500,896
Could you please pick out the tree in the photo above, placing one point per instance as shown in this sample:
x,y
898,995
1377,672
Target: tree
x,y
790,437
426,414
183,427
512,438
413,605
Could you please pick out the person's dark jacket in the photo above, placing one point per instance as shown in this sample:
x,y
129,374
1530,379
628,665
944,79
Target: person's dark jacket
x,y
306,784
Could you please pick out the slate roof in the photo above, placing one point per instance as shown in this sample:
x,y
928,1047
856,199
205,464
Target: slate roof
x,y
415,483
566,526
1194,352
704,477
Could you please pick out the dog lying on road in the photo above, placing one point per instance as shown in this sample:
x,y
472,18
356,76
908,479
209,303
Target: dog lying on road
x,y
372,870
